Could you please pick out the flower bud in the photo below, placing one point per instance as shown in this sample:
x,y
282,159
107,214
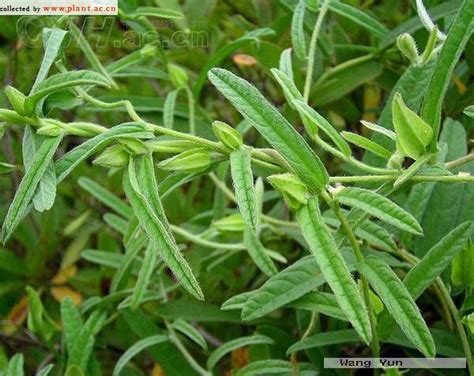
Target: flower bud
x,y
148,51
112,157
84,129
12,117
407,46
192,161
413,133
294,191
169,146
229,136
133,145
16,99
231,223
178,76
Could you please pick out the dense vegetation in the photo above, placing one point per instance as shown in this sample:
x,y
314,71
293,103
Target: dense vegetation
x,y
210,187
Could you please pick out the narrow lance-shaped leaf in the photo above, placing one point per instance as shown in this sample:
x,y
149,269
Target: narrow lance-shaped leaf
x,y
463,264
137,348
84,342
325,339
15,366
52,40
235,344
149,262
429,268
158,233
400,304
297,30
258,253
367,144
333,267
46,191
168,108
285,65
242,177
71,159
379,207
191,332
71,322
28,185
273,127
63,81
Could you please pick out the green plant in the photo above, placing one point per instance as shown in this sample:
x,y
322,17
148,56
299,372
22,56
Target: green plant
x,y
359,204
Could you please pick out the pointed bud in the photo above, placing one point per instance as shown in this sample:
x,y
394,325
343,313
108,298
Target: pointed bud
x,y
192,161
413,133
178,76
133,145
407,46
148,51
231,223
16,99
112,157
294,191
229,136
50,130
11,117
169,146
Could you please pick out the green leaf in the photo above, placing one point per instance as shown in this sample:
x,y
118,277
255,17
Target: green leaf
x,y
71,322
242,177
52,40
105,196
379,129
463,264
11,263
226,348
273,127
297,30
157,12
399,303
84,341
258,253
26,190
379,207
319,122
325,339
15,366
222,53
191,332
453,46
144,277
71,159
135,349
46,370
237,301
158,232
61,81
321,302
38,320
168,108
333,267
360,18
413,133
285,64
366,144
290,90
266,367
284,287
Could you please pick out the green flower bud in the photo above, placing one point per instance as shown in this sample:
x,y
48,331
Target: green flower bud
x,y
16,99
50,130
192,161
84,129
407,46
178,76
294,191
229,136
11,117
112,157
231,223
169,146
148,51
413,133
133,145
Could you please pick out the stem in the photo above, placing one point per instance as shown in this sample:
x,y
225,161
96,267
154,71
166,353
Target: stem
x,y
309,329
360,258
312,48
416,178
192,362
460,161
207,243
